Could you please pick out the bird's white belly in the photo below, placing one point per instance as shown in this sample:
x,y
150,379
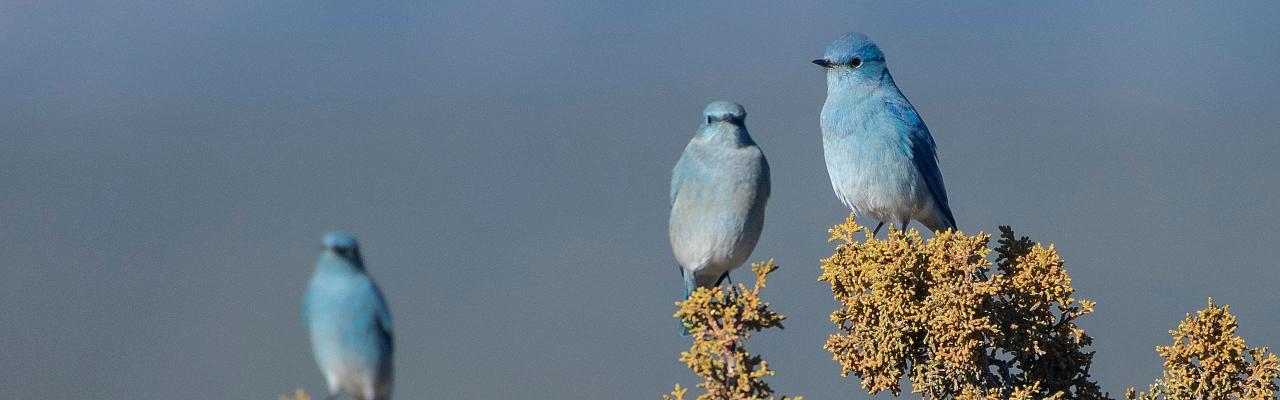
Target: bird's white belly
x,y
344,369
891,192
709,251
712,255
712,242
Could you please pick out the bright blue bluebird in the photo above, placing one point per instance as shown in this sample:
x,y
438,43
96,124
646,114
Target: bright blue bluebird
x,y
718,193
349,322
879,153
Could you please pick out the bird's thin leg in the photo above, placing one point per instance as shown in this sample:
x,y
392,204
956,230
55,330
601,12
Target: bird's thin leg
x,y
876,231
724,277
735,287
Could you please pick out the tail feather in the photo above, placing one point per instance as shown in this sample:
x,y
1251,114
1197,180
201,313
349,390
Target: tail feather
x,y
948,218
941,219
690,283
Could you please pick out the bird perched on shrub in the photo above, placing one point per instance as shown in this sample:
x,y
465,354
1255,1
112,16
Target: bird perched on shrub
x,y
718,193
880,156
349,322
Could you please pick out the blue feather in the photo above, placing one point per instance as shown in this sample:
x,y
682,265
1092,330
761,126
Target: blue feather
x,y
923,153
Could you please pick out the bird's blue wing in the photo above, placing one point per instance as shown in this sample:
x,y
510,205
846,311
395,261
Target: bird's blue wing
x,y
306,307
306,314
923,152
676,175
382,317
765,186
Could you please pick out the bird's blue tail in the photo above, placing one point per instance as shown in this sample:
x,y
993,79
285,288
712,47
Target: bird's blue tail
x,y
690,282
689,285
950,219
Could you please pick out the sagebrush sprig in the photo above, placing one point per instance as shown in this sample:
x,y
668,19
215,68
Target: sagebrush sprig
x,y
1208,361
932,311
720,320
297,395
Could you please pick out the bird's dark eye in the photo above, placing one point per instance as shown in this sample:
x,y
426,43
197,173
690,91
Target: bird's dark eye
x,y
855,62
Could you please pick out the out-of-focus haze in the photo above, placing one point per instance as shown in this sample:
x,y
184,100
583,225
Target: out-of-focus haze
x,y
170,167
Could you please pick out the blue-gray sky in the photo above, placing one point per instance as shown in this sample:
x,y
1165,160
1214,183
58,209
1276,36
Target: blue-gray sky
x,y
169,169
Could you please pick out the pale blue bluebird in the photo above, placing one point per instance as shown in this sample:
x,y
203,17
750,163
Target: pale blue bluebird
x,y
880,156
718,193
349,322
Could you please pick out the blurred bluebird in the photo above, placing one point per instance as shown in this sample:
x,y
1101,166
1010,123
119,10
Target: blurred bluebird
x,y
879,153
718,193
349,323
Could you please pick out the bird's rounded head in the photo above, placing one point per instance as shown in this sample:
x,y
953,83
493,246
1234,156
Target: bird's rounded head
x,y
724,111
851,51
343,245
340,242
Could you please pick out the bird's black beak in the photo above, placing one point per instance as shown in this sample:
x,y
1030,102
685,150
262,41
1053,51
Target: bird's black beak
x,y
822,63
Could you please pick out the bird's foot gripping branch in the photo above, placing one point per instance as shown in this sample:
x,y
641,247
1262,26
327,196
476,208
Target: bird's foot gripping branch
x,y
935,311
720,320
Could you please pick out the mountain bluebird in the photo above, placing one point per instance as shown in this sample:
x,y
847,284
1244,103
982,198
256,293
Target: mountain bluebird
x,y
349,322
879,153
718,193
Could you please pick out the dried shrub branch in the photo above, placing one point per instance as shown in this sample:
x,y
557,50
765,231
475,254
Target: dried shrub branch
x,y
1208,361
934,312
720,321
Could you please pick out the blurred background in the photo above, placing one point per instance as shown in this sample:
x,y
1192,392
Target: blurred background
x,y
169,169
